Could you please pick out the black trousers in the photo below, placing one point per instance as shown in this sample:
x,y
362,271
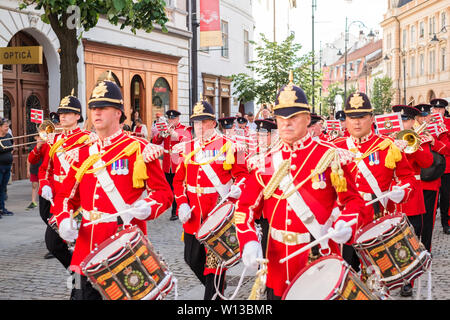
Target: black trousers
x,y
55,245
195,257
426,235
83,289
444,198
169,178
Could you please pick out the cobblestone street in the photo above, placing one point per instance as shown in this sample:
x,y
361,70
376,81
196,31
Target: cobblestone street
x,y
26,275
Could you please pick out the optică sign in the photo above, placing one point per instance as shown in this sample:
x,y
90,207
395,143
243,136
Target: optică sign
x,y
21,55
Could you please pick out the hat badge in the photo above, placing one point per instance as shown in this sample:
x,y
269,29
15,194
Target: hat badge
x,y
66,100
356,101
198,108
100,90
288,95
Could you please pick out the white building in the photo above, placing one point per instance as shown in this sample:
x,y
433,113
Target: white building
x,y
152,69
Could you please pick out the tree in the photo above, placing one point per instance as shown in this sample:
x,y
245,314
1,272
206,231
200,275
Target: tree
x,y
271,70
68,16
382,93
334,89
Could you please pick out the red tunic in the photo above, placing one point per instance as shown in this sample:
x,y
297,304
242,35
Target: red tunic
x,y
442,146
283,219
94,198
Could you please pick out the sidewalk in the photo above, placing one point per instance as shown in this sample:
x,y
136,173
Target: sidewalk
x,y
26,275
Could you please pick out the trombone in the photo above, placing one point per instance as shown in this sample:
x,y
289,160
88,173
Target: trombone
x,y
46,127
412,137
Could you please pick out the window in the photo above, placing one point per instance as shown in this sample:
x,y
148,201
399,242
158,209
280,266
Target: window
x,y
224,29
432,61
389,41
413,67
443,20
432,25
443,59
404,37
421,29
246,47
413,34
421,64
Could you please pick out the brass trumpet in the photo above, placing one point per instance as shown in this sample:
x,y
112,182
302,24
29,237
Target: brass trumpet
x,y
412,137
46,127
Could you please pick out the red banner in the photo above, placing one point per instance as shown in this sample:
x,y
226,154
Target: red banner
x,y
389,123
333,125
36,115
210,33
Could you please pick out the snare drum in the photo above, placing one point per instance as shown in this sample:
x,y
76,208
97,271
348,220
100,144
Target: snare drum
x,y
218,234
328,278
126,267
390,246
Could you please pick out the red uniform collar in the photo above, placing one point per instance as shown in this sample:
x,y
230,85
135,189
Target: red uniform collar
x,y
111,139
66,134
300,144
362,139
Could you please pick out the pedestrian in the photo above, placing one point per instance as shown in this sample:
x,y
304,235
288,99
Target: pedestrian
x,y
126,174
210,170
251,122
33,171
292,188
6,160
140,129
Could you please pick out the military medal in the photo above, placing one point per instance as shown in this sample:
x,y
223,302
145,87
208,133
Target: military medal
x,y
371,159
113,169
315,182
322,183
376,156
125,169
119,167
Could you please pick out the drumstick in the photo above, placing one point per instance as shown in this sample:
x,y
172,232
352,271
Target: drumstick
x,y
224,198
110,216
316,242
387,194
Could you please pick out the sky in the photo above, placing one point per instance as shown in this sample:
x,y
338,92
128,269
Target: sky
x,y
330,19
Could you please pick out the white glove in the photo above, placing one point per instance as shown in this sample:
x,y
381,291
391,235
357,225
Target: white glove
x,y
235,192
141,210
396,194
251,253
341,233
47,193
184,213
67,232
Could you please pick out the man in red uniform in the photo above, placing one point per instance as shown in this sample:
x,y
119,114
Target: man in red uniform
x,y
431,184
176,133
421,158
303,188
378,167
113,174
55,166
438,106
211,169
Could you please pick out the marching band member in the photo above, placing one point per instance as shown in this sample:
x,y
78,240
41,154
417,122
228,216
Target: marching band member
x,y
378,167
296,188
414,209
441,145
315,127
340,115
438,106
56,165
176,133
113,174
227,126
211,163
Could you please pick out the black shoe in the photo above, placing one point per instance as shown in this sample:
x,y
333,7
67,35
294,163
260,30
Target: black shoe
x,y
447,230
6,212
48,255
173,218
406,290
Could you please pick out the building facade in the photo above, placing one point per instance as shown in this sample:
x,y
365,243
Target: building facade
x,y
417,49
152,69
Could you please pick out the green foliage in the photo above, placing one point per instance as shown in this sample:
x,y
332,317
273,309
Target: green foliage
x,y
271,68
382,94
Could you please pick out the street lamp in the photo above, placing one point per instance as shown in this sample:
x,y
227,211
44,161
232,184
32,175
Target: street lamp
x,y
371,35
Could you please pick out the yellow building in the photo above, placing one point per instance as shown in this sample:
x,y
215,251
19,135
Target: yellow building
x,y
417,49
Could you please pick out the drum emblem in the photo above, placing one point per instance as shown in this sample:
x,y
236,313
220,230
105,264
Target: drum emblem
x,y
133,279
402,253
230,238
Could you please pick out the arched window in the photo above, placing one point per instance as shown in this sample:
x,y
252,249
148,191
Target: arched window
x,y
7,105
161,95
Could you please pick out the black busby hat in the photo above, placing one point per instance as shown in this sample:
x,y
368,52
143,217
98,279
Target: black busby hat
x,y
358,105
227,123
203,111
407,112
291,100
171,114
107,94
54,117
340,115
70,104
241,120
424,108
265,124
439,103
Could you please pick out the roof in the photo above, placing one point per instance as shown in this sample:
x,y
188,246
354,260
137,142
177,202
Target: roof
x,y
361,52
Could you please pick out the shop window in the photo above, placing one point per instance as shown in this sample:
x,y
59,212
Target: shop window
x,y
161,95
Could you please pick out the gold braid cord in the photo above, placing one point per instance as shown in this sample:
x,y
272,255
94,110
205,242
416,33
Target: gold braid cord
x,y
274,182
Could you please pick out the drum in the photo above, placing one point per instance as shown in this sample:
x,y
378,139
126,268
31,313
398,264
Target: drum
x,y
126,267
390,246
328,278
218,234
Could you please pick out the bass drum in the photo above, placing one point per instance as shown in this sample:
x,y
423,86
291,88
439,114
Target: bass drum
x,y
436,170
